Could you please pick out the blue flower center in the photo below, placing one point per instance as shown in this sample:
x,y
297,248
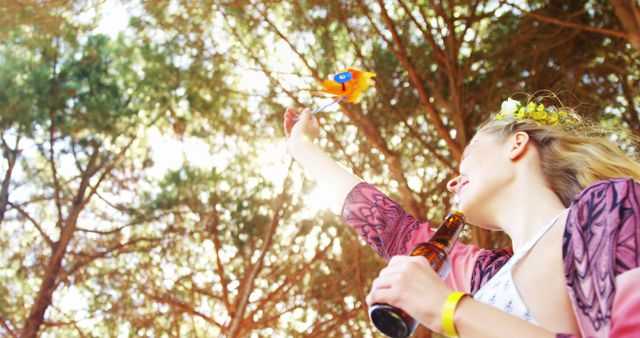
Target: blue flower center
x,y
343,77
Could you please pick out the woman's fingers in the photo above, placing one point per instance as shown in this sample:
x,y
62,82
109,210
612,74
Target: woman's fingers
x,y
305,114
382,296
398,274
395,274
308,124
290,114
290,118
384,282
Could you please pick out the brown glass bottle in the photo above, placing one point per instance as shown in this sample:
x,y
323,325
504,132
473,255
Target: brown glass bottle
x,y
396,323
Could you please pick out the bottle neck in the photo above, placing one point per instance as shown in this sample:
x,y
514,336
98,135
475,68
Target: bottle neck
x,y
447,234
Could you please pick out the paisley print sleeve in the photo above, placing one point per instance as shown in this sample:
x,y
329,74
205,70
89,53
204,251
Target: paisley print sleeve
x,y
601,243
381,222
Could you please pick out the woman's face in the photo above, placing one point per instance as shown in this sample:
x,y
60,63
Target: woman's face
x,y
484,171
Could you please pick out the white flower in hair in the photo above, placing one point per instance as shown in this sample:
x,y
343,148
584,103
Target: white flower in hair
x,y
509,107
537,112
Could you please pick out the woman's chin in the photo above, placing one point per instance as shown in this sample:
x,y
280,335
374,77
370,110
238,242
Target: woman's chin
x,y
470,220
473,217
485,226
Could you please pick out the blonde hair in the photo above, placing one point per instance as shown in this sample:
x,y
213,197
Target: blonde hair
x,y
573,155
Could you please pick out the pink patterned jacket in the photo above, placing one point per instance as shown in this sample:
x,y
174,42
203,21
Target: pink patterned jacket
x,y
601,251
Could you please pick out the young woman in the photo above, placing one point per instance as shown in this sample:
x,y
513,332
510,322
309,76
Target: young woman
x,y
570,203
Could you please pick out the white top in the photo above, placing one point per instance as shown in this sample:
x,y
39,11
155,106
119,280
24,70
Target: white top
x,y
501,292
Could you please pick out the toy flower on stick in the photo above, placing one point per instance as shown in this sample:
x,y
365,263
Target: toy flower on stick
x,y
347,84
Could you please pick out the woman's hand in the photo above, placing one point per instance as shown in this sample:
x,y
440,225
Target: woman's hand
x,y
410,283
306,127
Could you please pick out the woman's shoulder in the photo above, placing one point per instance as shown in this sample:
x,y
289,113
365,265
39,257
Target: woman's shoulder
x,y
600,243
606,214
611,190
612,203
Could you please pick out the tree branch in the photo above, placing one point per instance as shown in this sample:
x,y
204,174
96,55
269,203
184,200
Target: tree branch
x,y
182,307
265,17
568,24
34,223
6,326
54,173
426,33
12,156
212,225
120,248
321,329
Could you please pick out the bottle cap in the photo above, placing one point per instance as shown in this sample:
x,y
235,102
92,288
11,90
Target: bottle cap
x,y
457,213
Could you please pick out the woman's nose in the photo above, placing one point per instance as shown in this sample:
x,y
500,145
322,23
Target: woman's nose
x,y
452,185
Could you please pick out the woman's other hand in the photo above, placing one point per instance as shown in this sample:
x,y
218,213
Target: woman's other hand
x,y
411,284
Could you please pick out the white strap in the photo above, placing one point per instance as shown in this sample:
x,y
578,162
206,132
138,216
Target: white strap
x,y
532,241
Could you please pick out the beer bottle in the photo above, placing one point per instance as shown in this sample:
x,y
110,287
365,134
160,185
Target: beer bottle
x,y
393,321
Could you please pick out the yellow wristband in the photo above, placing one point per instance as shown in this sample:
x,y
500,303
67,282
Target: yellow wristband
x,y
449,311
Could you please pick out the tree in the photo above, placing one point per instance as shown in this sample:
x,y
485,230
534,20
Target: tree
x,y
629,14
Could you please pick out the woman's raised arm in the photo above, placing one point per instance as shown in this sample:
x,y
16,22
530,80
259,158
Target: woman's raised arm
x,y
322,168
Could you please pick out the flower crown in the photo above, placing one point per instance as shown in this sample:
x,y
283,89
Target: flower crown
x,y
551,117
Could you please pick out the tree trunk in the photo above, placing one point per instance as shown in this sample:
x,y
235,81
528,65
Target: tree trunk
x,y
59,249
48,285
628,11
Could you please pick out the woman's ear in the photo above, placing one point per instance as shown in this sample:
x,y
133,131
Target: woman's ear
x,y
518,144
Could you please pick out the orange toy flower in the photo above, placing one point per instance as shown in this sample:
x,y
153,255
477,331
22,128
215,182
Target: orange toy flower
x,y
348,83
